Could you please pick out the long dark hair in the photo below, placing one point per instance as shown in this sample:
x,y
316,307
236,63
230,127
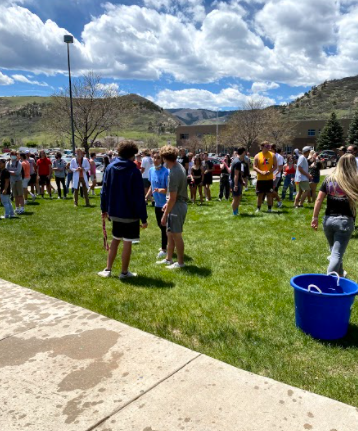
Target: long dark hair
x,y
105,161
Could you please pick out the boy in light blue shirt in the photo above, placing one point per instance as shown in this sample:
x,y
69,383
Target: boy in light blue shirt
x,y
158,178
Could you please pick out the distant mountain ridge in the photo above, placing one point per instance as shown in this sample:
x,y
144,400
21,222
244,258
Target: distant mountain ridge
x,y
200,116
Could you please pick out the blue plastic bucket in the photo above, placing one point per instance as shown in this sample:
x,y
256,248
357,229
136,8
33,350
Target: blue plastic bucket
x,y
323,313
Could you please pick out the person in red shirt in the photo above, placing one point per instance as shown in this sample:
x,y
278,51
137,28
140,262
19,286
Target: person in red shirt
x,y
44,172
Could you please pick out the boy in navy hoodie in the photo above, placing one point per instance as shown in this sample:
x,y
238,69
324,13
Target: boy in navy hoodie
x,y
123,202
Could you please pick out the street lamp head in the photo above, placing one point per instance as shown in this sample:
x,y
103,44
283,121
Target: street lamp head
x,y
68,39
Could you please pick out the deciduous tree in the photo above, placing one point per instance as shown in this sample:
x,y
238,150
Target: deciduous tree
x,y
95,110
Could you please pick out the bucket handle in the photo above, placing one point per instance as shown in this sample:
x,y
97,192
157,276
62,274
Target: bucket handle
x,y
335,273
316,287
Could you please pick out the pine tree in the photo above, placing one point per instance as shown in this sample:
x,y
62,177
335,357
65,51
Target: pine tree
x,y
353,131
331,136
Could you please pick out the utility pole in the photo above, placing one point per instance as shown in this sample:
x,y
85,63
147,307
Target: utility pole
x,y
69,39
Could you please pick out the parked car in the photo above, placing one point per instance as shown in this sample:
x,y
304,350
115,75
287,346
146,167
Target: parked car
x,y
328,158
216,161
99,174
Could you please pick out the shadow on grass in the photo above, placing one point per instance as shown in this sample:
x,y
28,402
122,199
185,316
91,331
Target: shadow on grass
x,y
196,270
32,203
149,282
349,341
27,213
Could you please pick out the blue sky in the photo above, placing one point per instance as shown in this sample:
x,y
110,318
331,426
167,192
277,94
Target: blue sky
x,y
180,53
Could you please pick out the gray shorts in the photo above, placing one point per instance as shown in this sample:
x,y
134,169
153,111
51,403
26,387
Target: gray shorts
x,y
176,218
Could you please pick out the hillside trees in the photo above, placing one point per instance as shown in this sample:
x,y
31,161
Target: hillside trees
x,y
95,109
353,131
332,134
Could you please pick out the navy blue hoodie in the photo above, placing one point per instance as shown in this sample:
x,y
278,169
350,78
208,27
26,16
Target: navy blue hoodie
x,y
122,193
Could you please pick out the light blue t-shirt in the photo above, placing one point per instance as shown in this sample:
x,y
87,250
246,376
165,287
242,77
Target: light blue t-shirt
x,y
158,179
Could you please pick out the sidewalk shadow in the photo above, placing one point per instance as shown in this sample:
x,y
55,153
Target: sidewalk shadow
x,y
196,270
149,282
349,341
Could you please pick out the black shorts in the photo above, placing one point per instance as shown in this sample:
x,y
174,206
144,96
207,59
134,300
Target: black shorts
x,y
33,179
208,179
44,180
264,186
126,231
197,182
146,183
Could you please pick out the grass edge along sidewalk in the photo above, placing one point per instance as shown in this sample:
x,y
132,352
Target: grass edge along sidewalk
x,y
233,301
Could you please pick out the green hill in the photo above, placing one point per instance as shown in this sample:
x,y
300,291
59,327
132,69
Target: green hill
x,y
339,95
23,120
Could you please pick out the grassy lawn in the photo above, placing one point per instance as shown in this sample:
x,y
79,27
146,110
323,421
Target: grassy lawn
x,y
233,301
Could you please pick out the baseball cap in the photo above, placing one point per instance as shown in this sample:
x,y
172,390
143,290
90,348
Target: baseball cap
x,y
27,152
306,149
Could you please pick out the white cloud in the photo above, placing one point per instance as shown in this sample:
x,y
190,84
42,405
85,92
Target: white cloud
x,y
27,43
24,80
197,98
185,9
261,87
309,41
5,80
296,96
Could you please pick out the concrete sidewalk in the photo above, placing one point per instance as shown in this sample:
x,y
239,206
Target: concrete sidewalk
x,y
66,368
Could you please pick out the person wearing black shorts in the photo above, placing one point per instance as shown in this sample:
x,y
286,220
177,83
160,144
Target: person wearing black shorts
x,y
208,176
123,202
197,173
265,163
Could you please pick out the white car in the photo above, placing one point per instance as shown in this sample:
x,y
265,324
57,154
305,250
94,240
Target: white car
x,y
99,175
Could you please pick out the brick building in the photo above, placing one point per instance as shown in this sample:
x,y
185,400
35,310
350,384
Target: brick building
x,y
305,133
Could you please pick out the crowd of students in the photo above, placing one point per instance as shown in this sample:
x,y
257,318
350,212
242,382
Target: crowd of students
x,y
24,171
133,180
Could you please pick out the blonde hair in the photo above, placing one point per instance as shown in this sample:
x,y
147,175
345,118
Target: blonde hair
x,y
346,176
170,153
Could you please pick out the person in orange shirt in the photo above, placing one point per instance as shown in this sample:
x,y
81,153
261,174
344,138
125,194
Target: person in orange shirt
x,y
265,163
26,175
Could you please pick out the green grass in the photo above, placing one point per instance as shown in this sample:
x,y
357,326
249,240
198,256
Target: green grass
x,y
232,302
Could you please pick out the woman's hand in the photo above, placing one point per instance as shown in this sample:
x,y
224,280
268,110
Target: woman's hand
x,y
314,223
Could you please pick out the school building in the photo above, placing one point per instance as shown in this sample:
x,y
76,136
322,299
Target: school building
x,y
305,132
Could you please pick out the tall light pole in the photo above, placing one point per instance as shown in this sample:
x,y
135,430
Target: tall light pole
x,y
69,39
217,132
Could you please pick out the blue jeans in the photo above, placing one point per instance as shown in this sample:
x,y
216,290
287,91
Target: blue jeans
x,y
338,231
288,184
6,201
68,180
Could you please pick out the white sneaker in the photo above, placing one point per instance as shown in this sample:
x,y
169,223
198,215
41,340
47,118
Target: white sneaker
x,y
105,273
164,262
128,275
25,202
20,211
257,210
344,274
175,265
135,242
279,204
161,254
4,217
59,197
33,198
